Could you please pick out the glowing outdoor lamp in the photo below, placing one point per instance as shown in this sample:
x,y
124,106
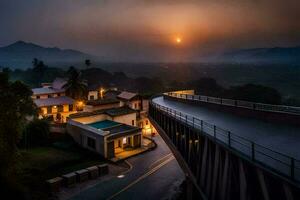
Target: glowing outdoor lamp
x,y
101,92
80,105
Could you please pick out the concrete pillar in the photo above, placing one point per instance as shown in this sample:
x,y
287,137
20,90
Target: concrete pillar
x,y
243,181
225,177
204,163
287,191
215,173
189,188
209,169
262,183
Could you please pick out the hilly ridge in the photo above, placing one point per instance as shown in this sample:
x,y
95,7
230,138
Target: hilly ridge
x,y
20,55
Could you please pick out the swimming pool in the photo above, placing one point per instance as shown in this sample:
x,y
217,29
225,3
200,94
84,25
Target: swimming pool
x,y
103,124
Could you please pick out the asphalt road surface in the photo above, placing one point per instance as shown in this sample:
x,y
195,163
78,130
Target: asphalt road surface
x,y
280,137
154,175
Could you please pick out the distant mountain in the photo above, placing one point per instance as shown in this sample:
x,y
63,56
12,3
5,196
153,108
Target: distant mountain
x,y
290,55
20,55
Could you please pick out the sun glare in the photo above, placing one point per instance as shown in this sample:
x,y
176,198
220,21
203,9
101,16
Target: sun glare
x,y
178,40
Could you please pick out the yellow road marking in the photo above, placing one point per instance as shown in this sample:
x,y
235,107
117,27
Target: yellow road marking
x,y
142,177
170,154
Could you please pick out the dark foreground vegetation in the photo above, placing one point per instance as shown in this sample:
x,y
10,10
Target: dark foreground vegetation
x,y
29,153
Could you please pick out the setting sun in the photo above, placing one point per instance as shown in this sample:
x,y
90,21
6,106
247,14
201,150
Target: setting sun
x,y
178,40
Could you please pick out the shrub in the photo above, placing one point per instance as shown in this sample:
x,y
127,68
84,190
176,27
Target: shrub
x,y
36,133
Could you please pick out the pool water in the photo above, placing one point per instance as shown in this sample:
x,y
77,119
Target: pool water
x,y
103,124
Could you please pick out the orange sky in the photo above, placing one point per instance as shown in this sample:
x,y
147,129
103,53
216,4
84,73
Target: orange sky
x,y
145,29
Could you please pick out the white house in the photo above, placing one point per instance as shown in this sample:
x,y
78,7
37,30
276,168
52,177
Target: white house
x,y
52,101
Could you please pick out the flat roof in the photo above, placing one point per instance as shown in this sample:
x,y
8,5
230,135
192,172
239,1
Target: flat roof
x,y
111,112
115,129
63,100
99,102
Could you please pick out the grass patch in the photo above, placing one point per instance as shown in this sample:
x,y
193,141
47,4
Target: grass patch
x,y
38,164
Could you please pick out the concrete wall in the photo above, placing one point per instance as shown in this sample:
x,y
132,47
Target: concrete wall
x,y
93,93
126,119
90,108
80,132
135,105
146,105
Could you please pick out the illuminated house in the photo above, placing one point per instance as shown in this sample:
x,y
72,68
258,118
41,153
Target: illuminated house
x,y
132,100
52,102
99,104
107,132
141,105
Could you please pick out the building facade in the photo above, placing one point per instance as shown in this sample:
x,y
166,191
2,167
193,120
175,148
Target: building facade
x,y
107,132
52,101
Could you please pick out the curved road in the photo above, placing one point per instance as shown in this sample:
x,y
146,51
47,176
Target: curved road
x,y
279,137
154,175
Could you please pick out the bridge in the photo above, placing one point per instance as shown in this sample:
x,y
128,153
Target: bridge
x,y
227,156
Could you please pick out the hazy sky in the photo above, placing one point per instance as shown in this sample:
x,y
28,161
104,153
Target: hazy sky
x,y
146,29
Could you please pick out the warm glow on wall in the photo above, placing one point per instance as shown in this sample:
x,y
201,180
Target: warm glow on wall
x,y
102,90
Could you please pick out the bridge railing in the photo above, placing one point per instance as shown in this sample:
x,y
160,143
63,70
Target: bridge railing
x,y
283,164
238,103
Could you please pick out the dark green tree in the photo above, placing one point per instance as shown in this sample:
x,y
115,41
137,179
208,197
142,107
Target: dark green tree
x,y
87,63
16,104
36,133
38,72
75,86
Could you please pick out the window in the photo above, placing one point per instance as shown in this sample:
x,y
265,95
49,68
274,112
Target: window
x,y
132,122
49,110
37,97
92,97
58,94
49,95
135,106
91,142
71,107
147,122
60,108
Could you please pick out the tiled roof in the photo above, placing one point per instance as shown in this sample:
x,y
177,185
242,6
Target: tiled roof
x,y
46,90
58,83
99,102
111,112
127,95
63,100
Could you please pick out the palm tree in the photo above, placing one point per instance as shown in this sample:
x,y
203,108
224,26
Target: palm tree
x,y
75,87
87,63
